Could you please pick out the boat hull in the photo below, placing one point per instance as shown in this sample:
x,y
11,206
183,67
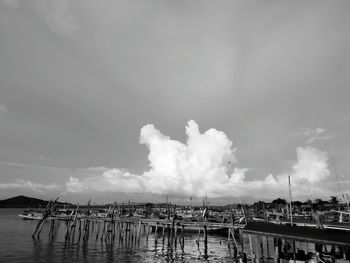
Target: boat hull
x,y
31,217
193,229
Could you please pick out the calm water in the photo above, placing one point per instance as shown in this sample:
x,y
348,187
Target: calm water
x,y
17,245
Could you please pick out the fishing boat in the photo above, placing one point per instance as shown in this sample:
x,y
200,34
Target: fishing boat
x,y
64,214
189,227
31,215
296,243
340,222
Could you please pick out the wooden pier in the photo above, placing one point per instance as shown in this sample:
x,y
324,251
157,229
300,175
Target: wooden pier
x,y
127,231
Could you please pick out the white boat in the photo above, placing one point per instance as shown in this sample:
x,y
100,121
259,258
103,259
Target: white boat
x,y
31,215
64,214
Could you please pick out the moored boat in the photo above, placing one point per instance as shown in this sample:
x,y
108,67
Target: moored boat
x,y
31,215
295,243
218,229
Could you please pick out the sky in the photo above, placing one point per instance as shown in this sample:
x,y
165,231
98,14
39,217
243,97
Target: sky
x,y
138,100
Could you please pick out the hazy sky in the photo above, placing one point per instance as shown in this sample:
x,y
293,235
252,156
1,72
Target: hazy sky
x,y
112,99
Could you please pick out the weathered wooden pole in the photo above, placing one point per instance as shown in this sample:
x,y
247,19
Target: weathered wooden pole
x,y
175,236
155,235
260,241
205,240
163,230
183,238
198,239
251,247
103,230
97,231
241,238
257,249
267,248
168,230
148,226
229,238
50,208
173,224
139,232
276,242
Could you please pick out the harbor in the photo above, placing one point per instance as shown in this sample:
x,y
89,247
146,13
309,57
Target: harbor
x,y
248,238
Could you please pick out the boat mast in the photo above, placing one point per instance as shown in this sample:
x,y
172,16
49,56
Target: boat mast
x,y
337,177
290,202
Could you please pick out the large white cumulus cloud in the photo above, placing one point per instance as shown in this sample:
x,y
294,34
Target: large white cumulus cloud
x,y
197,168
201,167
312,165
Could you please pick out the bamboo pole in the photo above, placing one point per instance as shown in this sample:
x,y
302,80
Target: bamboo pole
x,y
139,232
155,235
251,247
173,224
175,236
205,240
183,238
257,249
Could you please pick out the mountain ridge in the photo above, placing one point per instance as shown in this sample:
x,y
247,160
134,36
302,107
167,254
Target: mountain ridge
x,y
22,201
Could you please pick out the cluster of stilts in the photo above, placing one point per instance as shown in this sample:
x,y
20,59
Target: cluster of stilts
x,y
233,244
175,234
108,230
127,231
49,211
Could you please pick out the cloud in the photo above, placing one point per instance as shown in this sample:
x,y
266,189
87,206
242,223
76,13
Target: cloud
x,y
310,169
320,138
113,180
312,165
203,166
23,185
175,168
57,15
317,134
310,132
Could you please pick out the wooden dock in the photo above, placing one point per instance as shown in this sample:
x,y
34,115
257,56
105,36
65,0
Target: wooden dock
x,y
129,230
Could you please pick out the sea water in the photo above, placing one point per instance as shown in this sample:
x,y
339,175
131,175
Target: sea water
x,y
17,245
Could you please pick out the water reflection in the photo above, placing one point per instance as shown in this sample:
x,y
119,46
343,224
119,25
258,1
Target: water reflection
x,y
19,246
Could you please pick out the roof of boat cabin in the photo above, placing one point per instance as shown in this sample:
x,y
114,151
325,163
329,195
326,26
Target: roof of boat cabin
x,y
299,233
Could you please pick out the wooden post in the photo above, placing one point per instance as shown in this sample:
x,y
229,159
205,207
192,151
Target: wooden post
x,y
148,226
103,230
175,236
168,228
205,240
229,238
257,249
139,232
97,228
251,247
241,238
183,238
199,232
173,224
155,235
163,237
267,248
277,250
261,239
294,251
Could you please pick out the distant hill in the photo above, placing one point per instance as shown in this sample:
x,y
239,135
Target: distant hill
x,y
23,202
